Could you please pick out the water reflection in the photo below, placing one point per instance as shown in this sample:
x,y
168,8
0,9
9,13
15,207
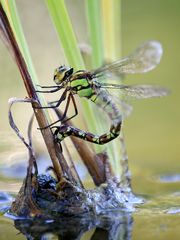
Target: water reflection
x,y
114,226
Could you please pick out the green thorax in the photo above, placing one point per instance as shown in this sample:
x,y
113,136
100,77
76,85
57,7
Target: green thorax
x,y
81,86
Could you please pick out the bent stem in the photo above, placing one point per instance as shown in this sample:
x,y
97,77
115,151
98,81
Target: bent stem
x,y
26,199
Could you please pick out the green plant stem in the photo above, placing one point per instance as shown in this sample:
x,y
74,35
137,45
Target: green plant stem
x,y
111,25
95,32
96,43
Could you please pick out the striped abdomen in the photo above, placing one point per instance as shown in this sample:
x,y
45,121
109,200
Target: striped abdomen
x,y
104,101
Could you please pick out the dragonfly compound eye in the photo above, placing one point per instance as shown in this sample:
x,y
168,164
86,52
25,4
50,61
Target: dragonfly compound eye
x,y
62,73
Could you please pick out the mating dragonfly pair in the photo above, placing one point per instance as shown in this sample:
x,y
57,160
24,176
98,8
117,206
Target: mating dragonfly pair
x,y
90,85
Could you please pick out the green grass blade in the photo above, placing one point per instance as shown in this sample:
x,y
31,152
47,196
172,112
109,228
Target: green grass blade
x,y
118,28
111,25
108,29
95,38
65,32
95,32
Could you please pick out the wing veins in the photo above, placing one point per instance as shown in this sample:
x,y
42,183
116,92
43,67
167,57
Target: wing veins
x,y
138,91
143,59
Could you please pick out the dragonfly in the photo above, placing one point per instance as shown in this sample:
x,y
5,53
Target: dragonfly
x,y
90,85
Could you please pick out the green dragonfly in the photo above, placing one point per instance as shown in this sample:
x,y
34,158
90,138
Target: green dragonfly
x,y
90,85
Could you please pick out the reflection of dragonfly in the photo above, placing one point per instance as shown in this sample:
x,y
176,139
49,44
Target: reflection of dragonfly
x,y
89,84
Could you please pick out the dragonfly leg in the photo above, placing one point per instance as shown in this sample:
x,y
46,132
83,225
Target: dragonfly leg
x,y
63,117
46,86
64,131
56,89
70,97
62,98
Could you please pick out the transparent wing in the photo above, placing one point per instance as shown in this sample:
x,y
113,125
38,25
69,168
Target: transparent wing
x,y
143,59
125,108
138,91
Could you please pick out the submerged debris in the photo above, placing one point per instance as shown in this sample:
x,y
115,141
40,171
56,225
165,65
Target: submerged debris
x,y
64,198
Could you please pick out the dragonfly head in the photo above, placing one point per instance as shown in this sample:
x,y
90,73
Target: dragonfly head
x,y
62,74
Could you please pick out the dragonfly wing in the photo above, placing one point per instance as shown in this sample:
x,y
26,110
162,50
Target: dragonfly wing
x,y
143,59
138,91
126,108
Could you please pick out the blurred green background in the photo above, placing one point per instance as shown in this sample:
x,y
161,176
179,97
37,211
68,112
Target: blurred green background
x,y
152,131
